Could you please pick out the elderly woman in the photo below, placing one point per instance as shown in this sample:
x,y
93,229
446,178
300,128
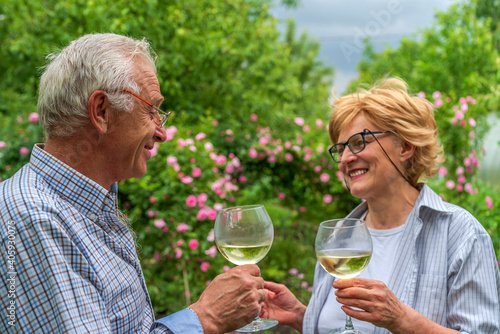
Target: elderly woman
x,y
433,268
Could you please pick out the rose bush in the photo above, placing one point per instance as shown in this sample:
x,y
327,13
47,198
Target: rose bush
x,y
173,207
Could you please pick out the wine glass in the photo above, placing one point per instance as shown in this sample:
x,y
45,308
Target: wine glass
x,y
344,248
243,235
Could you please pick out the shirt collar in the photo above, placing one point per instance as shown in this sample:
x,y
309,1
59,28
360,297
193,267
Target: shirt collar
x,y
428,199
84,194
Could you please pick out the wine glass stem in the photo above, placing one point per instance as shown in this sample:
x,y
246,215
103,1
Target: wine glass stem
x,y
348,323
257,319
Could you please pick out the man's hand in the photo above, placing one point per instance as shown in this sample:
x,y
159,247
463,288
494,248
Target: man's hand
x,y
232,300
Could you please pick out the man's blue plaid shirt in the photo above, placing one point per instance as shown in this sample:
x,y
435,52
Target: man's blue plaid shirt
x,y
75,267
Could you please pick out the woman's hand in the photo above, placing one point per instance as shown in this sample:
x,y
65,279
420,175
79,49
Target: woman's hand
x,y
282,305
380,306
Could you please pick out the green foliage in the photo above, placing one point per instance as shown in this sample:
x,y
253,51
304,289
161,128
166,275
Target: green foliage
x,y
462,126
17,137
444,58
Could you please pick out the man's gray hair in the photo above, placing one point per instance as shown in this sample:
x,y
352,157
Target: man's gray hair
x,y
89,63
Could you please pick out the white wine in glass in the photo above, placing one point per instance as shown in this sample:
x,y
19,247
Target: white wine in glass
x,y
344,248
244,235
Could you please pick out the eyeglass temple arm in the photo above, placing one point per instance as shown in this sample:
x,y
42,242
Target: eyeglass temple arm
x,y
387,155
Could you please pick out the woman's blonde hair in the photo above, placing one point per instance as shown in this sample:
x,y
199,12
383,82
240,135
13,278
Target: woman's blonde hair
x,y
390,107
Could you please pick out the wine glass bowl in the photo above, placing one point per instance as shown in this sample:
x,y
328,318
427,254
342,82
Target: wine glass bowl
x,y
244,235
344,248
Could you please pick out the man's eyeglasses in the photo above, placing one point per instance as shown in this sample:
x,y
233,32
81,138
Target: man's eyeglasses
x,y
356,144
161,117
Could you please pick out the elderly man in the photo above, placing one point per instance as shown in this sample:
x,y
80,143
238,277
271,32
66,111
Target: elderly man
x,y
72,263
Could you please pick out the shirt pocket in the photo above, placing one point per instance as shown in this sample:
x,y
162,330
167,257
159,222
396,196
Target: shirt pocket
x,y
430,297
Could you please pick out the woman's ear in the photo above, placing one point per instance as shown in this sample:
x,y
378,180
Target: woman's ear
x,y
407,150
99,111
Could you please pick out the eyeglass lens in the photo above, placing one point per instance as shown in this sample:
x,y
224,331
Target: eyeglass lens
x,y
356,144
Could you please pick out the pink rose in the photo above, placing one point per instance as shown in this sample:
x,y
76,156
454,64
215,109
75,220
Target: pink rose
x,y
211,236
252,153
159,223
212,214
472,122
182,227
212,251
33,117
489,202
186,179
196,172
327,198
299,121
202,198
24,151
324,177
229,168
204,266
191,201
209,146
171,160
200,136
202,214
193,244
220,160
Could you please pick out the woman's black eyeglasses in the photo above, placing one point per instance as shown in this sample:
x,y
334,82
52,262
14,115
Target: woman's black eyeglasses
x,y
356,144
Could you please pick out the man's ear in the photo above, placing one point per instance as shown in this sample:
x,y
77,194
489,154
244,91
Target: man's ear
x,y
99,111
407,150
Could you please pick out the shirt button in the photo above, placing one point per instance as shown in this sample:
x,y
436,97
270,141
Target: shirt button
x,y
93,216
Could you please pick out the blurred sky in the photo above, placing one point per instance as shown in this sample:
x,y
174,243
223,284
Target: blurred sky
x,y
340,26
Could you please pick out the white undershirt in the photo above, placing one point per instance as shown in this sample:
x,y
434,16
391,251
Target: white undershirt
x,y
385,243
